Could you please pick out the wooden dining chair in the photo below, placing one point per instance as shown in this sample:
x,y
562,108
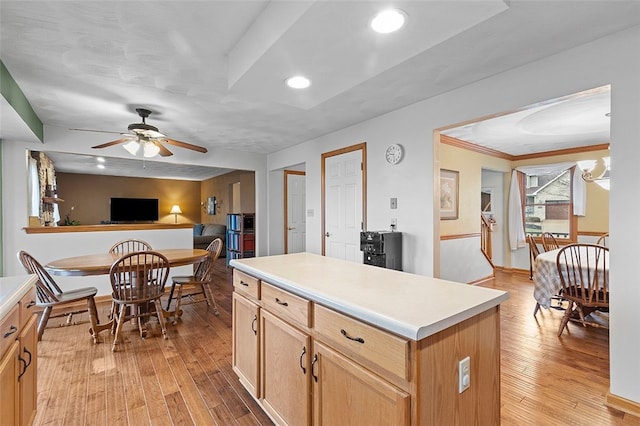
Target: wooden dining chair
x,y
50,296
198,285
603,240
584,276
138,280
130,245
549,242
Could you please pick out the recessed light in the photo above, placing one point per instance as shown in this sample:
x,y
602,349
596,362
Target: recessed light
x,y
100,159
100,166
298,82
388,21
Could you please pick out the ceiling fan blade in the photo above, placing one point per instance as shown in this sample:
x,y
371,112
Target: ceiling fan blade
x,y
99,131
164,152
116,142
185,145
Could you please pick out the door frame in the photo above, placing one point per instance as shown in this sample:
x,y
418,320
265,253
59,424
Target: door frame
x,y
357,147
286,205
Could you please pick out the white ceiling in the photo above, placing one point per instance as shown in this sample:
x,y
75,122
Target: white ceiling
x,y
213,71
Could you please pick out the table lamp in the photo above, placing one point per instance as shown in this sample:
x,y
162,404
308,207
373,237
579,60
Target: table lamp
x,y
175,210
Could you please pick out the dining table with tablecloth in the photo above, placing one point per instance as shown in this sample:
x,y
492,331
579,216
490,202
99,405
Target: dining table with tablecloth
x,y
547,278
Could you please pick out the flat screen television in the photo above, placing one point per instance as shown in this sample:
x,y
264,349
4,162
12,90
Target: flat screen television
x,y
134,209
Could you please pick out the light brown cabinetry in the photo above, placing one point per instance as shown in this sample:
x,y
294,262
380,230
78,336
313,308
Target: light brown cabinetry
x,y
27,382
245,342
322,367
18,363
347,394
284,371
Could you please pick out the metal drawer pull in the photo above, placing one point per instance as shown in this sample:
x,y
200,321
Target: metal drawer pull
x,y
244,284
313,365
304,351
355,339
24,368
30,358
280,302
253,323
11,331
31,304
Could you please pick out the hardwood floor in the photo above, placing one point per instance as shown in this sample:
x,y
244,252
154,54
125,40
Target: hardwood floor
x,y
188,379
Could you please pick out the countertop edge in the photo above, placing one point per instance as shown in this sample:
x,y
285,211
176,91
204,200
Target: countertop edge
x,y
18,291
384,322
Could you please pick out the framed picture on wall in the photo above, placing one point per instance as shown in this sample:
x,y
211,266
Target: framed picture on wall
x,y
211,205
449,187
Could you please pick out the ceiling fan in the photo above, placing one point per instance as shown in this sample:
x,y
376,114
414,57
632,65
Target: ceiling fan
x,y
145,139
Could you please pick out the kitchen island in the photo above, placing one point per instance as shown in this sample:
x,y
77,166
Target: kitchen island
x,y
318,340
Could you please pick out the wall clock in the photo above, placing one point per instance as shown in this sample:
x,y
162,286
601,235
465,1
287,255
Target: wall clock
x,y
393,154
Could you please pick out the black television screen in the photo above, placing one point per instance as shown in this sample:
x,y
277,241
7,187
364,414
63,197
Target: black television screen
x,y
134,209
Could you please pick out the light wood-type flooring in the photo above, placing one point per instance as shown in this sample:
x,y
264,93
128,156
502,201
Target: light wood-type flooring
x,y
188,379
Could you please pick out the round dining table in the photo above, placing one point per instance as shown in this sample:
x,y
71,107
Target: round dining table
x,y
546,277
100,263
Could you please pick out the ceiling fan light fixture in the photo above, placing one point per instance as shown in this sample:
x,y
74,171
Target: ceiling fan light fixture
x,y
388,21
150,150
132,147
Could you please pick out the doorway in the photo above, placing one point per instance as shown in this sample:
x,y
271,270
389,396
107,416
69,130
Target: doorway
x,y
343,198
295,224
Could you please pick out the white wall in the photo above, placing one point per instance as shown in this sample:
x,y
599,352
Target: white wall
x,y
461,260
614,59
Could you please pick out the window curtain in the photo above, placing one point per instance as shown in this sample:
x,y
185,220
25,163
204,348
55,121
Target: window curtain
x,y
515,219
33,203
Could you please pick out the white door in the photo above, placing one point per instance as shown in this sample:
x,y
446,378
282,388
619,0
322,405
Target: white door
x,y
296,207
343,205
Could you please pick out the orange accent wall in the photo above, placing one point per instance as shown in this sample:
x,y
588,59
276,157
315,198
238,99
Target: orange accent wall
x,y
89,195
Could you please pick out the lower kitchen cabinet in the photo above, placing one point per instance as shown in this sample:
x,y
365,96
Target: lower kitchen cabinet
x,y
9,392
285,371
245,342
27,377
345,393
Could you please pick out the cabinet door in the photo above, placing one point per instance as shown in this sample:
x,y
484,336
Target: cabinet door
x,y
9,396
285,371
27,381
245,342
347,394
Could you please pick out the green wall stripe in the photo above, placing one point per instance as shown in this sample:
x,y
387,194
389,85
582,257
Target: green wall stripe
x,y
13,94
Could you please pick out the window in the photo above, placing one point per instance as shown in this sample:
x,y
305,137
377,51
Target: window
x,y
547,205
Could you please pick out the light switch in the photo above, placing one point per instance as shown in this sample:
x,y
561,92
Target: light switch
x,y
394,203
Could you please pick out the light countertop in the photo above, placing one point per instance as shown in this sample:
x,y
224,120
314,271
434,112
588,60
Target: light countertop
x,y
12,289
413,306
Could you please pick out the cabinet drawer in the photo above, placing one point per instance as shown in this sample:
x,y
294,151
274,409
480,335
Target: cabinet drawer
x,y
384,349
27,307
9,327
246,284
282,302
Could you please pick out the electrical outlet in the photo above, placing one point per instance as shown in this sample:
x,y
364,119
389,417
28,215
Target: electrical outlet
x,y
464,374
394,221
